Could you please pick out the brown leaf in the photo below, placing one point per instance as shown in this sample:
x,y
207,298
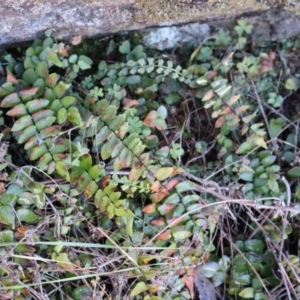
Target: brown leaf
x,y
135,173
212,74
2,188
157,197
188,281
129,102
76,40
174,221
155,187
63,50
164,235
220,122
149,209
29,92
167,207
104,181
160,221
150,119
171,184
266,62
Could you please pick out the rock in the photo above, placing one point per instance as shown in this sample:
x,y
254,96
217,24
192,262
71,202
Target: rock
x,y
25,20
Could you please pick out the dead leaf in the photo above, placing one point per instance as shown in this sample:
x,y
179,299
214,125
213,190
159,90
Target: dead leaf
x,y
266,62
129,102
63,50
160,221
2,188
188,281
157,197
155,187
174,221
172,183
164,235
220,122
76,40
149,209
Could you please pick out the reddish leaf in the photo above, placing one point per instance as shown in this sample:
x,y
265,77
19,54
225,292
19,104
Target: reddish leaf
x,y
266,61
122,130
171,184
166,208
188,281
36,104
135,173
205,256
20,232
244,129
104,181
241,109
157,197
41,114
22,123
226,110
10,100
177,171
248,118
150,119
61,156
29,93
51,80
17,111
150,208
2,188
153,120
145,259
155,187
129,102
166,235
160,221
11,78
119,164
153,288
211,74
63,50
176,221
169,252
233,99
220,122
51,130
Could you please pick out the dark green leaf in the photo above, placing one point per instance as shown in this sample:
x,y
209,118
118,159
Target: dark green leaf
x,y
134,79
294,172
